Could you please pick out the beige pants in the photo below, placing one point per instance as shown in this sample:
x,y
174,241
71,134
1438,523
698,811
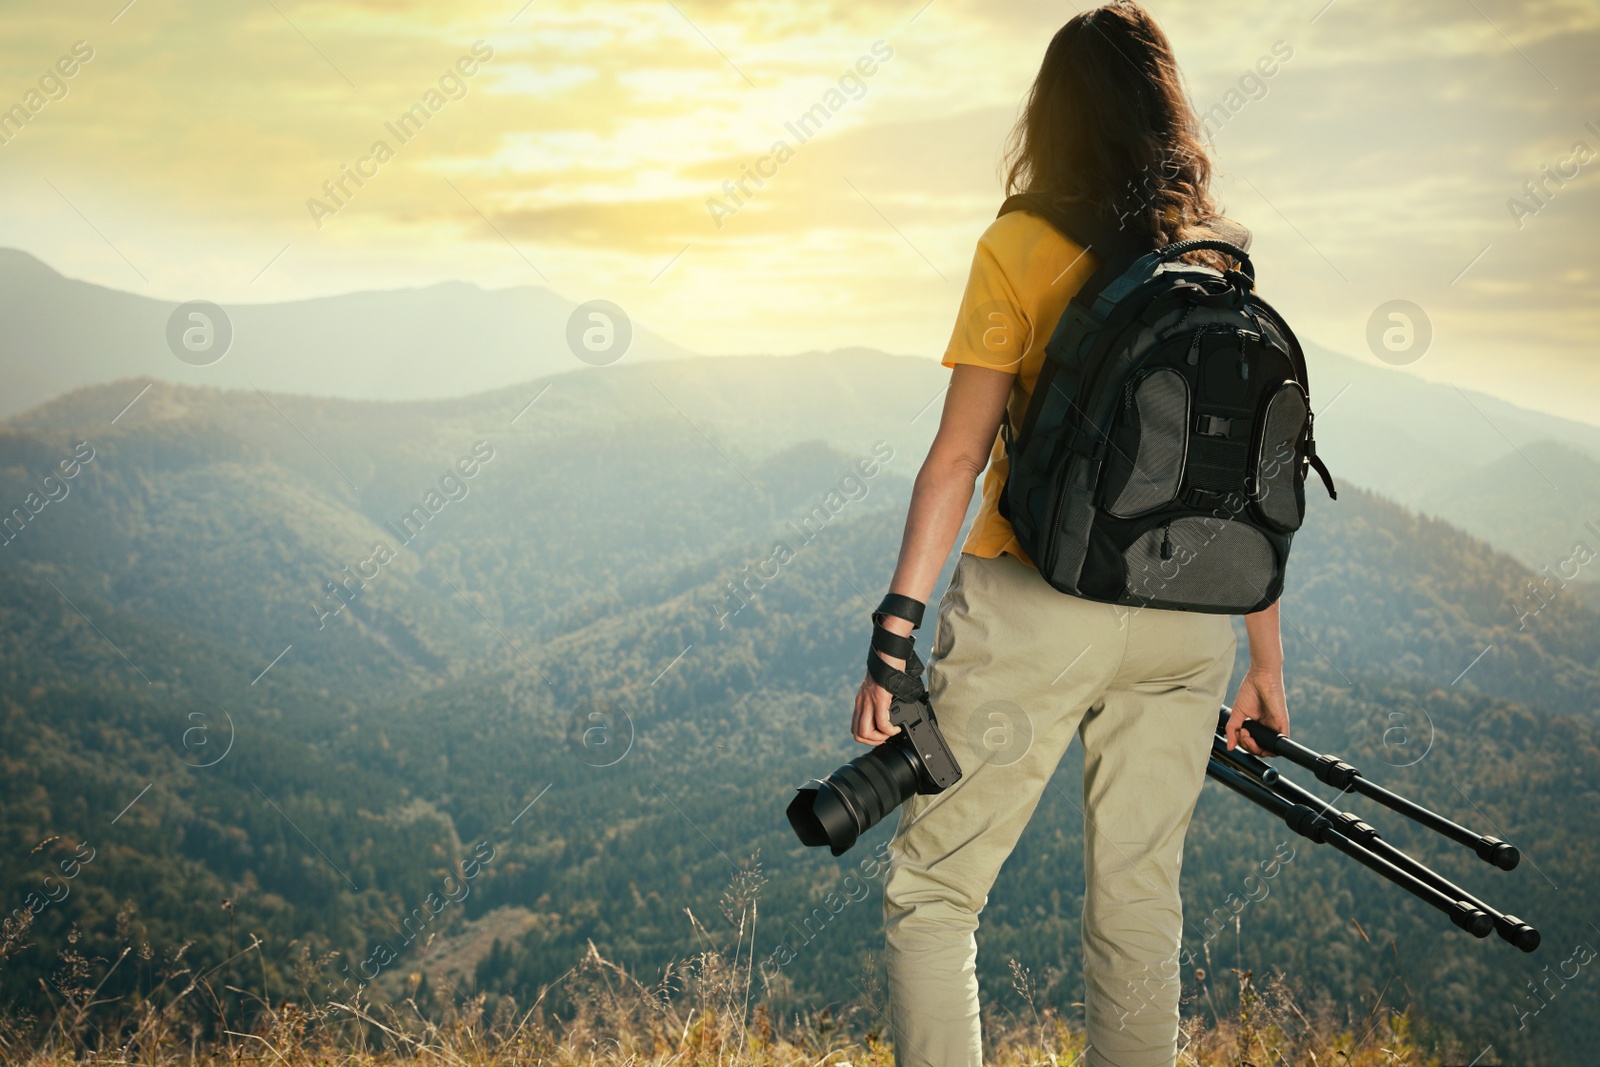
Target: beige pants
x,y
1016,669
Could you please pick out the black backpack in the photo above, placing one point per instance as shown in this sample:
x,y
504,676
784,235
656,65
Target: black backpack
x,y
1162,458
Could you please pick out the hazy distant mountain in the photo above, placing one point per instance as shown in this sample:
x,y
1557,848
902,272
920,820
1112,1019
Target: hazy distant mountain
x,y
451,339
1536,503
1393,432
1382,428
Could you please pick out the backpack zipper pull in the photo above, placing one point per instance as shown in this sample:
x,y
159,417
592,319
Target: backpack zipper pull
x,y
1166,541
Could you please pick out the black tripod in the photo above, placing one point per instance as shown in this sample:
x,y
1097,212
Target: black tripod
x,y
1310,817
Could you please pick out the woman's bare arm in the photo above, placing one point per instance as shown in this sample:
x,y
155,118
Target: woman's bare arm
x,y
1261,695
972,411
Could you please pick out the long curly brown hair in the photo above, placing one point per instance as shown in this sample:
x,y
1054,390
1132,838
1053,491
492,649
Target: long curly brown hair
x,y
1107,122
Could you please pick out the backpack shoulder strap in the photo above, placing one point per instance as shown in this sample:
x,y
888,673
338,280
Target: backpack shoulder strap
x,y
1116,246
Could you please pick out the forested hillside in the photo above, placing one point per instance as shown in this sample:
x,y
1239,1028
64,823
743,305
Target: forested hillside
x,y
310,657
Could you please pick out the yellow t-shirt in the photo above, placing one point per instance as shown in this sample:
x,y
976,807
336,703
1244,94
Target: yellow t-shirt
x,y
1024,273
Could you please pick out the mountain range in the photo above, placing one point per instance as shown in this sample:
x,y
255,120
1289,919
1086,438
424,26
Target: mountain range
x,y
1526,481
309,654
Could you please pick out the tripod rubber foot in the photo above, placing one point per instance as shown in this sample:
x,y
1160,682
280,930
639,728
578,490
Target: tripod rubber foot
x,y
1500,853
1470,919
1517,932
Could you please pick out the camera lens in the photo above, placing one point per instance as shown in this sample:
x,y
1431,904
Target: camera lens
x,y
838,809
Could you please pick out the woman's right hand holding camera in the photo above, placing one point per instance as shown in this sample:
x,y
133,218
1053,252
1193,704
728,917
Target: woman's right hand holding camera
x,y
871,725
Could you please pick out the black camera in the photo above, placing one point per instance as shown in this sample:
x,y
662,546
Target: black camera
x,y
838,809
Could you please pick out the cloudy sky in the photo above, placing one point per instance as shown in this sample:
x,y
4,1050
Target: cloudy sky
x,y
589,150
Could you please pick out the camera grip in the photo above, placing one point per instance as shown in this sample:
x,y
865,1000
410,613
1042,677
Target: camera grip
x,y
921,729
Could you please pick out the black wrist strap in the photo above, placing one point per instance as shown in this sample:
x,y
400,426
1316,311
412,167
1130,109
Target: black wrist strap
x,y
892,644
906,684
901,607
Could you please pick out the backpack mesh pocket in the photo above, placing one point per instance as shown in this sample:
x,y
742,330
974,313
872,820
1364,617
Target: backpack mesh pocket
x,y
1209,563
1279,494
1161,402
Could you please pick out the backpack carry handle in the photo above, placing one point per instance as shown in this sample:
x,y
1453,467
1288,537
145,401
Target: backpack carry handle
x,y
1209,244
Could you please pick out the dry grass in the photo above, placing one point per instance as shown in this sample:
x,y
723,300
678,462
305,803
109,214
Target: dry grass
x,y
705,1011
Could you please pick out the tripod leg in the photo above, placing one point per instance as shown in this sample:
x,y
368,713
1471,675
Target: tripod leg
x,y
1331,770
1509,927
1320,829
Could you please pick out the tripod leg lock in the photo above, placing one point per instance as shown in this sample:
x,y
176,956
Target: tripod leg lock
x,y
1362,833
1330,770
1307,823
